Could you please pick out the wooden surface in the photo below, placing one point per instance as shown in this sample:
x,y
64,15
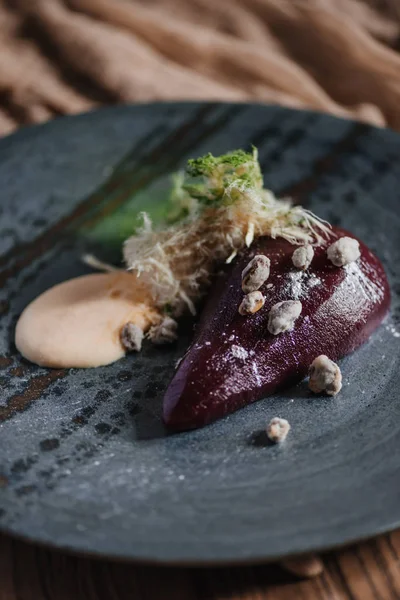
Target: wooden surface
x,y
367,571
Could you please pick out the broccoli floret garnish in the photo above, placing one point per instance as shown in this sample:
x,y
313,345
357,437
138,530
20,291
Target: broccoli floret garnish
x,y
206,165
215,179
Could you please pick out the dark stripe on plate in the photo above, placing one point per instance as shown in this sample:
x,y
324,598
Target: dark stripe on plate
x,y
5,362
78,216
171,162
36,387
273,129
142,144
47,238
325,164
291,139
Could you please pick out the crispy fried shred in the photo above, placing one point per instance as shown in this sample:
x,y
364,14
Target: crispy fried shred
x,y
217,208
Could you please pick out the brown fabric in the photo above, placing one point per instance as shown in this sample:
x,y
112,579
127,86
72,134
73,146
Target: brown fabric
x,y
67,56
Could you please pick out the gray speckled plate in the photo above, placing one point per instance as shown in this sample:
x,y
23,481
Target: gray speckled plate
x,y
85,461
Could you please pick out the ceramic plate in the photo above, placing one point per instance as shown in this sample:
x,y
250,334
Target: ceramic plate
x,y
85,461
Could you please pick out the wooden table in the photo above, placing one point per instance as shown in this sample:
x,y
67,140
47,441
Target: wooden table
x,y
367,571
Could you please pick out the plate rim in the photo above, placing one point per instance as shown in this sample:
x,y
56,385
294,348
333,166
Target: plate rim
x,y
254,559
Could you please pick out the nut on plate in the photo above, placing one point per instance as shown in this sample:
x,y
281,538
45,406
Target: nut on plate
x,y
283,315
325,376
256,273
131,337
278,429
251,303
303,256
164,332
344,251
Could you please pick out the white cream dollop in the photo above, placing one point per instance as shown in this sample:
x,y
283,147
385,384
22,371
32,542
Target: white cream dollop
x,y
78,322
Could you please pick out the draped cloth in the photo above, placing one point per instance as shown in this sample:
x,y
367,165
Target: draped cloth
x,y
69,56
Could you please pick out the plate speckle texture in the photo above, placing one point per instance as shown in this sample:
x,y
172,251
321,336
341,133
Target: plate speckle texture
x,y
85,461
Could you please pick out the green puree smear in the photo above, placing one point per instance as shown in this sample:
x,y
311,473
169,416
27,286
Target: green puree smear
x,y
205,180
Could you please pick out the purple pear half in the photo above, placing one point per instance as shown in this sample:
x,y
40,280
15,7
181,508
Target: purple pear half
x,y
234,360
